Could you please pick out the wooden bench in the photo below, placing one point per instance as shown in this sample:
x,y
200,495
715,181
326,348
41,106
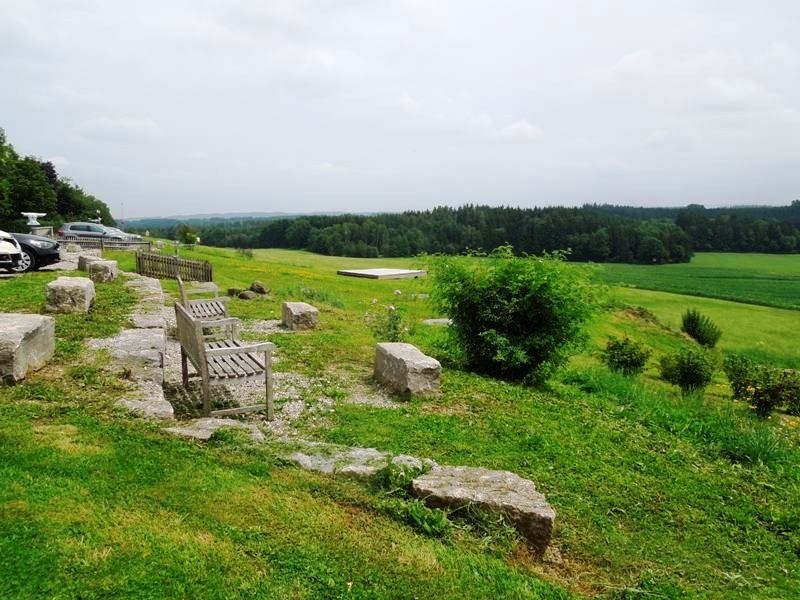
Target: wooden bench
x,y
224,359
207,309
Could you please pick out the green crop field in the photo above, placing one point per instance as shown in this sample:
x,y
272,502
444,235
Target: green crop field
x,y
657,495
766,279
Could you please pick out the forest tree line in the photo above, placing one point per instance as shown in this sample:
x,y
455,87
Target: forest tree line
x,y
599,233
28,184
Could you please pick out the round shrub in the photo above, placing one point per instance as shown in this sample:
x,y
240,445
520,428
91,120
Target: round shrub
x,y
702,329
741,373
690,369
775,387
625,356
516,318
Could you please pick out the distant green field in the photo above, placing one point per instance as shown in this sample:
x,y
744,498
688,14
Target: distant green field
x,y
765,279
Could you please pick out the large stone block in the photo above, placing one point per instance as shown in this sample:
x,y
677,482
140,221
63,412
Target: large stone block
x,y
84,260
299,315
27,342
499,491
103,271
70,294
404,368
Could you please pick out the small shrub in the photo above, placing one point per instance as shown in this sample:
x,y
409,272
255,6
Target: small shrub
x,y
388,324
773,388
763,386
515,317
625,356
741,373
701,328
691,370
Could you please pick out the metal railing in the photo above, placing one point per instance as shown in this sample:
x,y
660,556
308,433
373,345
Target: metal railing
x,y
103,243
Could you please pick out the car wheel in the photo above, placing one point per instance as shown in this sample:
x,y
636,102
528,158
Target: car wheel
x,y
28,263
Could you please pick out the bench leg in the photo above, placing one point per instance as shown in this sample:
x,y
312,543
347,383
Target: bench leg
x,y
206,397
268,384
184,369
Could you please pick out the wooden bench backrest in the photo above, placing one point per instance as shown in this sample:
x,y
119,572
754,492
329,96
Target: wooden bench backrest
x,y
190,336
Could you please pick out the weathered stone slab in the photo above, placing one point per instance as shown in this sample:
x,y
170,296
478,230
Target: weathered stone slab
x,y
203,429
148,401
70,295
84,260
103,271
27,342
299,315
404,368
438,322
140,351
358,463
499,491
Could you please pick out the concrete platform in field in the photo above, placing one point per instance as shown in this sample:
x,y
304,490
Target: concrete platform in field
x,y
382,273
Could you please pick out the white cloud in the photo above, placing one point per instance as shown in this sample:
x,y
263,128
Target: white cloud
x,y
520,132
735,95
123,129
330,168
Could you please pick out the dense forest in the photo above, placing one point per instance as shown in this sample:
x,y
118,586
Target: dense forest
x,y
32,185
598,233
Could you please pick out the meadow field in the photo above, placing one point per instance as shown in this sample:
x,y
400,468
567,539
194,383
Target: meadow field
x,y
765,279
657,495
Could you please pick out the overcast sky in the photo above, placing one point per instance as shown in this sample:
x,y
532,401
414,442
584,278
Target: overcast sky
x,y
204,106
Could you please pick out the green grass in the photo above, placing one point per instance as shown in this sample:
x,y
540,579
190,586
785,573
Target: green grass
x,y
657,496
765,279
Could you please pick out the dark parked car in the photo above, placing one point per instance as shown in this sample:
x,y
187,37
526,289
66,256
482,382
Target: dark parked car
x,y
37,252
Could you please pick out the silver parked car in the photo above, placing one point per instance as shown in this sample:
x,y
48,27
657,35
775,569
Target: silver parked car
x,y
89,230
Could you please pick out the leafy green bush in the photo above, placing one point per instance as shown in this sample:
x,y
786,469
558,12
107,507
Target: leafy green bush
x,y
741,373
764,386
690,369
517,318
701,328
388,324
625,356
773,388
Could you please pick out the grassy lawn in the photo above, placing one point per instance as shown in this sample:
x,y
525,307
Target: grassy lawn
x,y
657,496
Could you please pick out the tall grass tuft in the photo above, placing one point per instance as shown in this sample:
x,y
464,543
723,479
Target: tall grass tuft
x,y
701,328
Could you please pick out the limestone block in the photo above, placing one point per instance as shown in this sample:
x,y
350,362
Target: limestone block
x,y
103,271
299,315
70,294
499,491
27,342
84,260
404,368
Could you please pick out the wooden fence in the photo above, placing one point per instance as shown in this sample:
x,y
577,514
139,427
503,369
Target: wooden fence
x,y
167,267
